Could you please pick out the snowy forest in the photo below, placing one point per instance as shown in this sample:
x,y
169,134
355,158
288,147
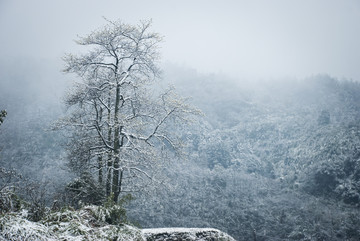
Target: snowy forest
x,y
118,142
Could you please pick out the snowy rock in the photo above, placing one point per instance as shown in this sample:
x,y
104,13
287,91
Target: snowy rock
x,y
177,234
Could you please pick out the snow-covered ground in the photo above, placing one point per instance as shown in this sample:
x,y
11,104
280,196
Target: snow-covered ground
x,y
89,223
84,224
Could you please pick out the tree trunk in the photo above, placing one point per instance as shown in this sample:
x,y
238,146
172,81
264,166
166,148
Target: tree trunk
x,y
100,167
115,181
99,116
118,172
109,177
109,162
117,130
120,180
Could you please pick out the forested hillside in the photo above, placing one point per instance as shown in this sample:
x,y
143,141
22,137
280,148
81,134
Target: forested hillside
x,y
28,148
187,120
269,159
278,159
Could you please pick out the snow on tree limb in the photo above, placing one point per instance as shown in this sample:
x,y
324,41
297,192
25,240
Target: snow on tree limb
x,y
113,108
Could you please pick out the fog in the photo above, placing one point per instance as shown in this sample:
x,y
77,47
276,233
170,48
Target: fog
x,y
267,146
243,39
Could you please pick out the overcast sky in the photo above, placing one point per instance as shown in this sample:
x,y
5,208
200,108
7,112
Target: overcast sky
x,y
266,39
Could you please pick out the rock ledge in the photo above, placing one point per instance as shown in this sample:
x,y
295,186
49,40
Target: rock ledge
x,y
188,234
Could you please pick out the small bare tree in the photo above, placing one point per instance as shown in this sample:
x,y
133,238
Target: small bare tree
x,y
124,128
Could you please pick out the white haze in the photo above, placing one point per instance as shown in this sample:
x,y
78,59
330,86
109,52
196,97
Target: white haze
x,y
257,39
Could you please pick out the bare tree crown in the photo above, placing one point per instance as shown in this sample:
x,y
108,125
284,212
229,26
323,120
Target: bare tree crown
x,y
121,126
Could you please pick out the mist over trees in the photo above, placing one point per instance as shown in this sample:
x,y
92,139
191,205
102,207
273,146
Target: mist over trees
x,y
269,160
279,160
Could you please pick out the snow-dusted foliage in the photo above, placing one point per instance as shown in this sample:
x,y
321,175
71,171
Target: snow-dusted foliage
x,y
9,201
88,223
91,223
275,161
15,226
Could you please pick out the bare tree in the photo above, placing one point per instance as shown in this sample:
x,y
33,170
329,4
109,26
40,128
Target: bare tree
x,y
124,128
